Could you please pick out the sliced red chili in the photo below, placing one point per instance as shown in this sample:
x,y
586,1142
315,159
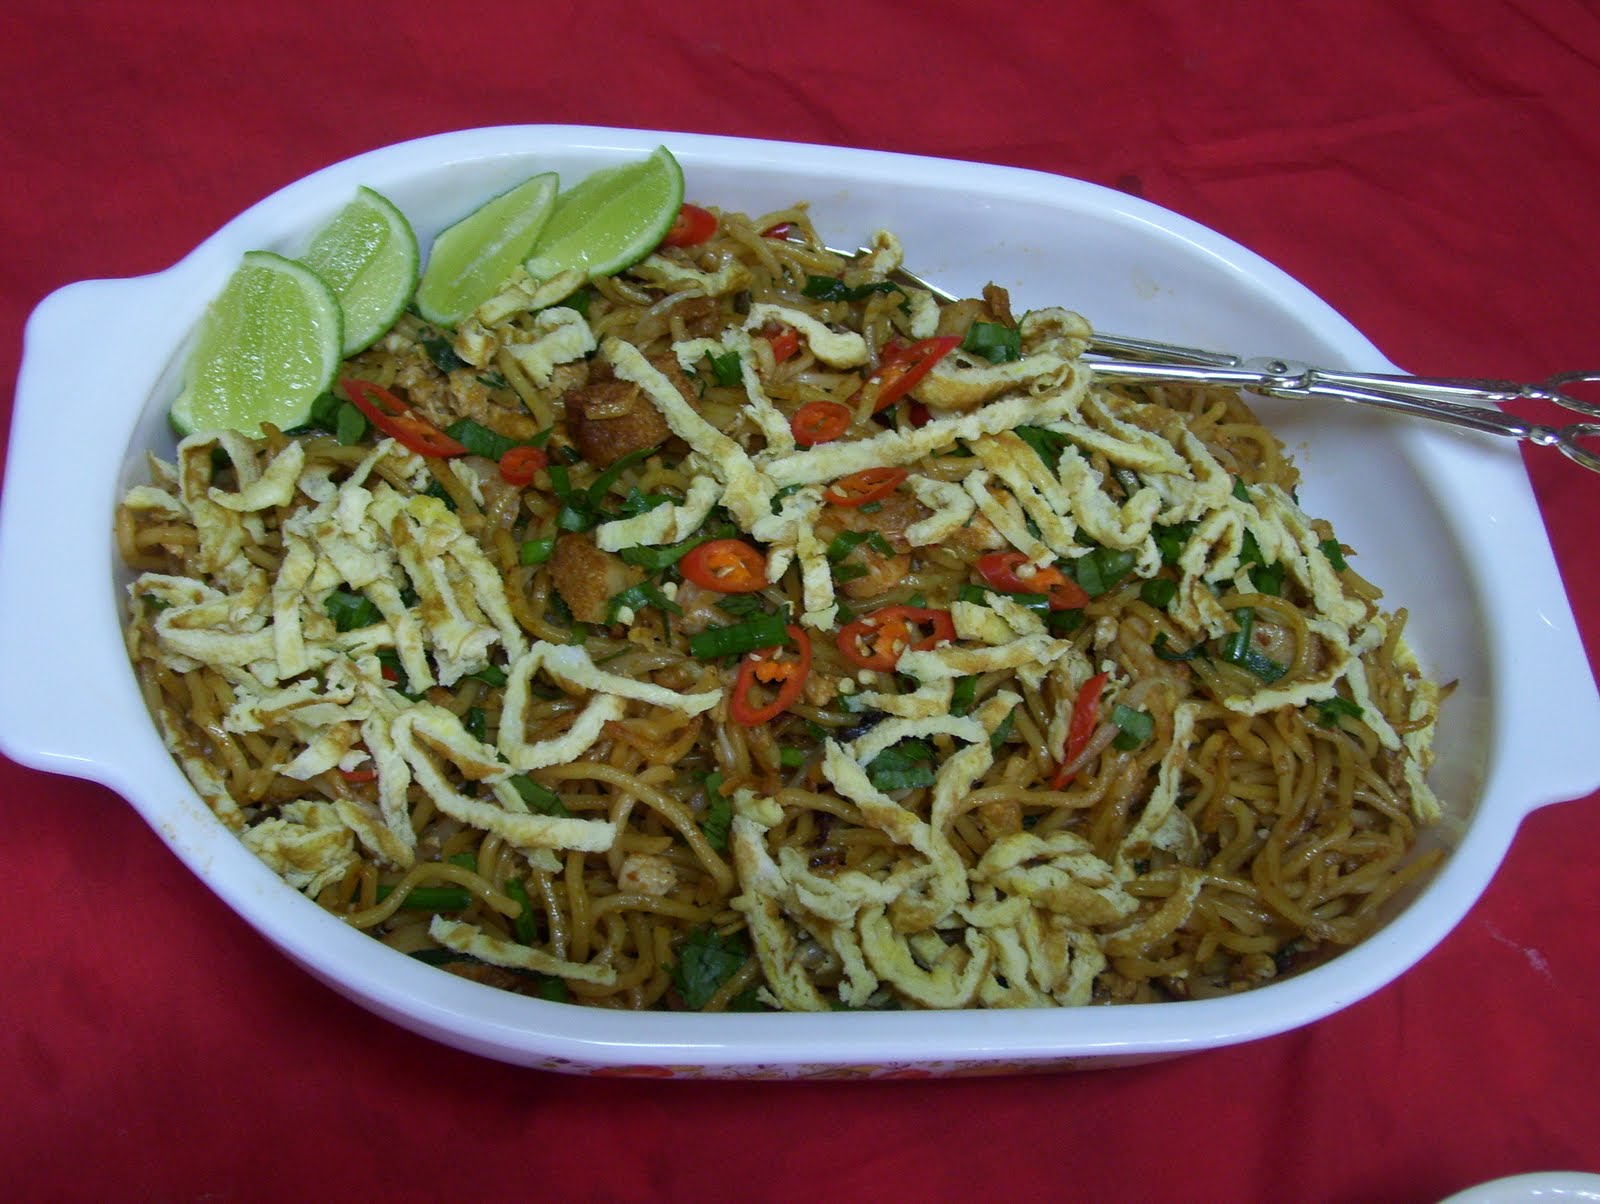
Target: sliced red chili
x,y
693,225
1085,718
901,368
868,485
878,640
521,464
820,422
1003,571
365,773
785,341
398,420
779,230
782,669
729,566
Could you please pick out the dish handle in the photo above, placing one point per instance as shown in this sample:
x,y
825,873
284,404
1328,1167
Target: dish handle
x,y
60,607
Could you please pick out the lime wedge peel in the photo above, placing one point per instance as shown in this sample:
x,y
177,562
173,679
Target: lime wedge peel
x,y
267,348
610,219
368,256
471,260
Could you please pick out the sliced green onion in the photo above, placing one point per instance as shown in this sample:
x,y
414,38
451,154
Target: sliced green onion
x,y
1002,733
846,542
431,898
476,723
1172,540
963,696
1335,554
522,925
742,606
540,799
996,343
1239,489
467,861
479,440
763,631
1158,592
791,758
491,675
1135,727
1163,649
1238,649
536,551
637,597
1331,710
849,572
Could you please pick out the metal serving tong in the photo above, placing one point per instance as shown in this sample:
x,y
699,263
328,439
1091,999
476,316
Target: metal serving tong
x,y
1456,402
1464,403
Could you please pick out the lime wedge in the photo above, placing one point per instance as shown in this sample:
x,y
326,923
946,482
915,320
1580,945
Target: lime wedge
x,y
611,219
473,258
267,348
368,256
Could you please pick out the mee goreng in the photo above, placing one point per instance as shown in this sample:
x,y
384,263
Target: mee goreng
x,y
753,629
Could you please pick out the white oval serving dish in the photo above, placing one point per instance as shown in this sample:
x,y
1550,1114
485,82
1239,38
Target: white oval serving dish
x,y
1445,522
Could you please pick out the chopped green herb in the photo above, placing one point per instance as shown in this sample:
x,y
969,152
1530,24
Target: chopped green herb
x,y
1237,649
1128,480
907,765
522,924
1240,491
832,288
478,439
467,861
637,597
846,542
1332,549
536,551
436,490
442,354
1172,540
1064,622
476,723
849,572
791,758
551,988
742,606
431,898
493,380
1331,710
726,369
719,818
655,559
1135,727
1163,649
705,962
963,696
1049,444
762,631
996,343
1158,592
350,611
491,675
540,799
350,426
1101,569
1002,733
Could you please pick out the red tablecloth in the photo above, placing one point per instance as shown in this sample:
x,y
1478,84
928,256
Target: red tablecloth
x,y
1431,168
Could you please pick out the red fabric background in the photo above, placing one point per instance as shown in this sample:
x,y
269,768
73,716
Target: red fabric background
x,y
1432,169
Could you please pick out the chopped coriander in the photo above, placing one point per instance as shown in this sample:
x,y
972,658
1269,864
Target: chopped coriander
x,y
903,766
718,820
1049,444
350,611
705,962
